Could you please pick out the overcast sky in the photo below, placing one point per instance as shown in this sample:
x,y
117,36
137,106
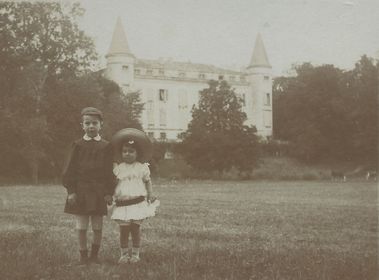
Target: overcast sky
x,y
223,32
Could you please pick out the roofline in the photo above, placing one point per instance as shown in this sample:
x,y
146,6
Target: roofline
x,y
119,53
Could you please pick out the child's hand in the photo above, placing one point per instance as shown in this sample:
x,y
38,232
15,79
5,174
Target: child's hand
x,y
71,198
150,198
108,199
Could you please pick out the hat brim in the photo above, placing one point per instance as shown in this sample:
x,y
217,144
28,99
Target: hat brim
x,y
142,140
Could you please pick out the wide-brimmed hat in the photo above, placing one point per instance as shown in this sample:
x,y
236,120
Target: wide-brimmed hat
x,y
132,135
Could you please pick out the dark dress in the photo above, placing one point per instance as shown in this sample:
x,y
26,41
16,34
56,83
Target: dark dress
x,y
88,173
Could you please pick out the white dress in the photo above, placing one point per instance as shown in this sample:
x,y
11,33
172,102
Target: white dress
x,y
131,182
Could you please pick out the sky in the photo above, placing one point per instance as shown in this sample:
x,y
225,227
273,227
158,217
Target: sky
x,y
223,32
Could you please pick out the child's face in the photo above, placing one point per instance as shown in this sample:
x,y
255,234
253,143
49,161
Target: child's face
x,y
129,154
91,125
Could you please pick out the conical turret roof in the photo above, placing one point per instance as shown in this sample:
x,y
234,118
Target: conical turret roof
x,y
119,44
259,58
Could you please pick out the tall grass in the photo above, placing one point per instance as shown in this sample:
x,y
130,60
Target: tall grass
x,y
205,230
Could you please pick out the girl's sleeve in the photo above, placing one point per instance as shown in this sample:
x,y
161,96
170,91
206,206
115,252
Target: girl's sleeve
x,y
69,177
146,172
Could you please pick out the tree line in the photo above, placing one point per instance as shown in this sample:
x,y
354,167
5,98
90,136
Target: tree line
x,y
46,77
321,114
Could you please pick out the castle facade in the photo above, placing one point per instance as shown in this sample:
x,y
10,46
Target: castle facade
x,y
169,88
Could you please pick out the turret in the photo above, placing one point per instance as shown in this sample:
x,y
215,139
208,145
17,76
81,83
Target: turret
x,y
260,80
120,60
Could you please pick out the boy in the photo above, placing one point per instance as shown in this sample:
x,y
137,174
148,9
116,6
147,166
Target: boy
x,y
89,181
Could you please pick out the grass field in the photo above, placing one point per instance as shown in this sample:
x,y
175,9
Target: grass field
x,y
205,230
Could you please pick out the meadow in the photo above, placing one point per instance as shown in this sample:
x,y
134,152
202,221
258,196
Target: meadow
x,y
205,230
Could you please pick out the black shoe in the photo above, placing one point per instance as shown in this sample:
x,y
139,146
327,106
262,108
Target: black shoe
x,y
94,254
83,257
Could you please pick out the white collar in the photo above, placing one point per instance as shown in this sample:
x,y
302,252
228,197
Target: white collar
x,y
87,138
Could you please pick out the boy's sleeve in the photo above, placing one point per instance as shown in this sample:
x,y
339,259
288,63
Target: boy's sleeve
x,y
69,177
111,180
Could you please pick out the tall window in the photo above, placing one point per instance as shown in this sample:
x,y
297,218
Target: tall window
x,y
125,67
150,113
267,118
162,116
161,72
243,99
137,71
202,76
163,95
268,99
183,100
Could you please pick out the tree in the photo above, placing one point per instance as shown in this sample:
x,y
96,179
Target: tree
x,y
310,111
45,73
39,42
67,98
217,138
45,32
363,88
327,113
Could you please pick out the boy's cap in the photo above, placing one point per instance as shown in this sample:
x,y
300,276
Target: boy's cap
x,y
92,111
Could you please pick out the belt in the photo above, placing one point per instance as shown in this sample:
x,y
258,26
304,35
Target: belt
x,y
128,202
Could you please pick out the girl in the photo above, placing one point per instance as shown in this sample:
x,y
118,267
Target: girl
x,y
133,195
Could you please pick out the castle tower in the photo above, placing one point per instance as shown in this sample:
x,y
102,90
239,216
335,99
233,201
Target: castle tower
x,y
260,80
120,60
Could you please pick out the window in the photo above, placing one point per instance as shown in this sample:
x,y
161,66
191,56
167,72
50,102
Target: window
x,y
243,99
266,77
183,100
137,71
161,72
267,118
150,113
125,67
150,105
221,77
182,74
163,95
202,76
150,134
268,99
163,136
149,72
242,78
162,117
150,94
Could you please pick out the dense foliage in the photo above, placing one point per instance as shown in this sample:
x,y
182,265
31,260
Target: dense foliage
x,y
46,79
217,139
329,114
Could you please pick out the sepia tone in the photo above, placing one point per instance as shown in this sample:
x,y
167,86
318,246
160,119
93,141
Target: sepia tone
x,y
302,203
